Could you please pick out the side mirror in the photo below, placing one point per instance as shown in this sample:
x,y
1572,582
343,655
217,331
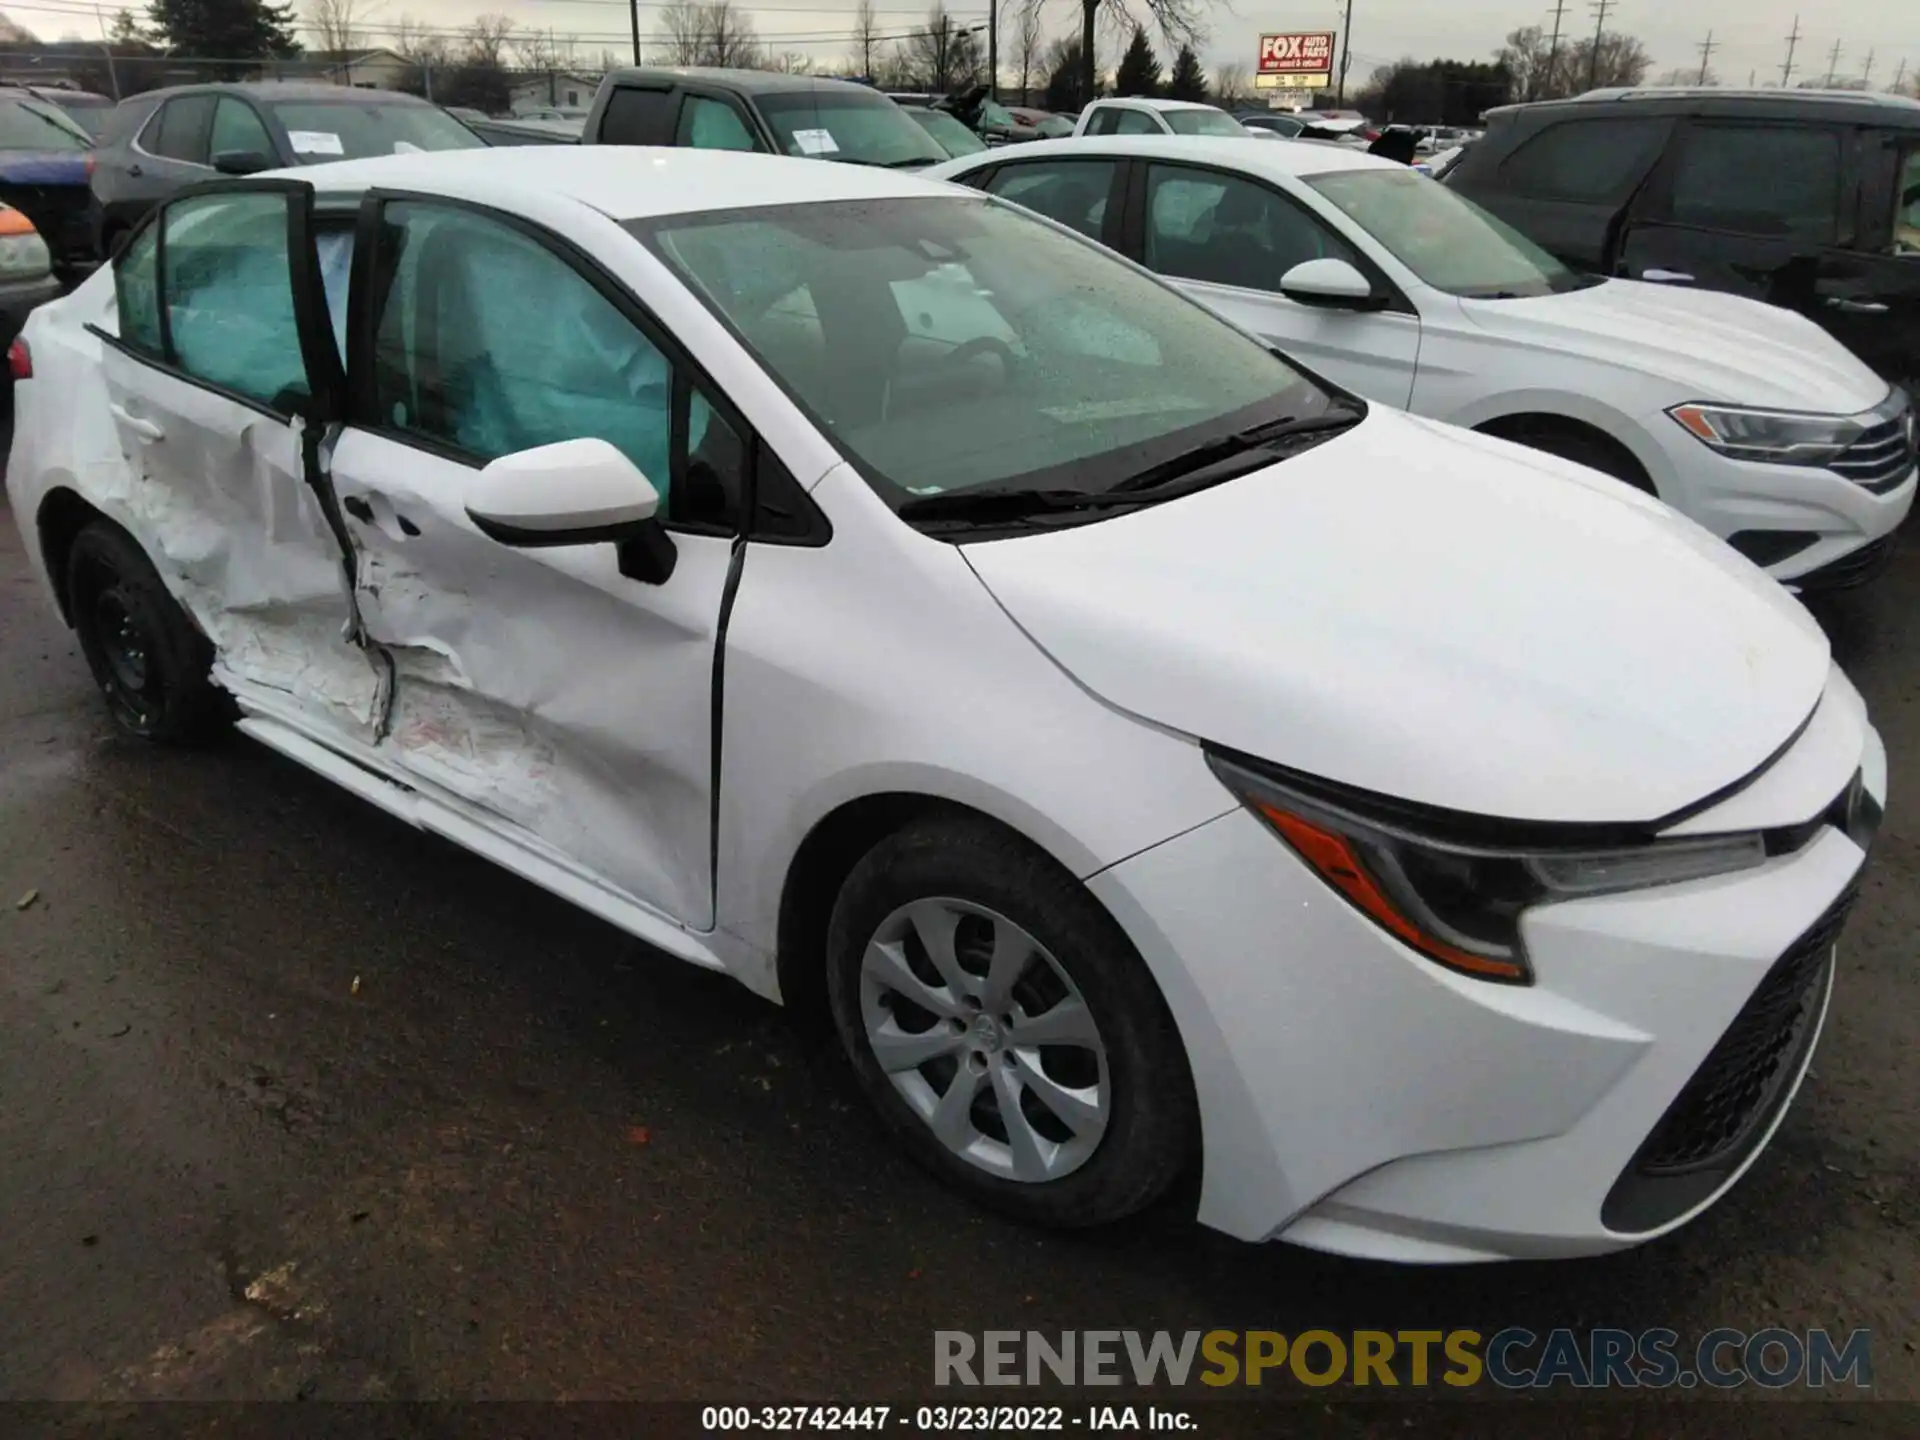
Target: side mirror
x,y
242,162
1331,285
578,492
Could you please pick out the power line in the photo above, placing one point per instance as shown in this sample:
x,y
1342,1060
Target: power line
x,y
1793,41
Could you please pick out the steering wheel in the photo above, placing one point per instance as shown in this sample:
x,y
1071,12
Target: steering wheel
x,y
981,345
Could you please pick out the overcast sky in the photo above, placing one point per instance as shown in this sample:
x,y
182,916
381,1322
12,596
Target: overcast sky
x,y
1749,35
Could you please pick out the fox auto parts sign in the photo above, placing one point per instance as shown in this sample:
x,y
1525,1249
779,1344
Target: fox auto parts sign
x,y
1298,53
1298,60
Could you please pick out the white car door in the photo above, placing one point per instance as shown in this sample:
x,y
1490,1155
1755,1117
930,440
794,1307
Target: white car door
x,y
561,697
1227,239
222,345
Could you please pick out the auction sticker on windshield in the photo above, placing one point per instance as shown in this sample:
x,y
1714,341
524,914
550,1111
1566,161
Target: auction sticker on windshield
x,y
315,142
815,142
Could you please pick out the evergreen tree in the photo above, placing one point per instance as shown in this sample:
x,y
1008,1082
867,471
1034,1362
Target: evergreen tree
x,y
1188,81
237,31
1139,72
1066,81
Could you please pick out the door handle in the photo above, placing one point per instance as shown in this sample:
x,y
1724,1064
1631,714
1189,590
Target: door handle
x,y
135,171
382,516
358,508
1855,307
140,426
1666,277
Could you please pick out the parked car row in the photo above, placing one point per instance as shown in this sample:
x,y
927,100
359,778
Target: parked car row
x,y
1148,747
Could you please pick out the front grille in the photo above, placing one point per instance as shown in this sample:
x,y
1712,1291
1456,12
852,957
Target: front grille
x,y
61,213
1881,458
1856,567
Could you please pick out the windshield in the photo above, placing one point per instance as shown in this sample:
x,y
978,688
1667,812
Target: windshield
x,y
1055,127
1202,122
952,136
946,344
1445,239
30,125
323,130
850,124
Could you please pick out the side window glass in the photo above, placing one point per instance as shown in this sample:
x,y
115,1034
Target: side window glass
x,y
183,129
711,125
237,129
335,251
1105,121
1074,192
136,292
228,287
636,117
491,343
1228,231
1589,161
1136,122
1776,181
1906,206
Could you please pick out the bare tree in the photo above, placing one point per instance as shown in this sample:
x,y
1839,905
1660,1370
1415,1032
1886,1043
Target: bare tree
x,y
1178,22
340,25
709,32
866,34
1231,85
1029,36
790,62
944,55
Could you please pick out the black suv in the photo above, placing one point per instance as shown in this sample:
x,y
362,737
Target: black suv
x,y
718,109
157,142
1807,199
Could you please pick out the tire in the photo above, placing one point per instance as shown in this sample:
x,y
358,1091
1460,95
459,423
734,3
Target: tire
x,y
148,660
1120,1077
1583,447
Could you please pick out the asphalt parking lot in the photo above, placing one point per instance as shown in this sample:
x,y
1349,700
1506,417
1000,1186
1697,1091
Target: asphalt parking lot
x,y
295,1102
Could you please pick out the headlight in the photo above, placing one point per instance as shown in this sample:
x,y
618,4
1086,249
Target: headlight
x,y
1445,884
1778,437
23,254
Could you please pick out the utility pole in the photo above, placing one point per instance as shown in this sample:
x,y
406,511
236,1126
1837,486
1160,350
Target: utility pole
x,y
1899,75
1600,8
1553,48
634,7
1346,41
1833,63
1866,71
1793,40
1707,48
993,49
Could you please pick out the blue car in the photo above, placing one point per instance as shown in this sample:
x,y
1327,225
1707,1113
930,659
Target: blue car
x,y
46,163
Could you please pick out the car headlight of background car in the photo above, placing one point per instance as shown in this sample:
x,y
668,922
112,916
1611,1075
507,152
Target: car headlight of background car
x,y
23,254
1783,437
1447,886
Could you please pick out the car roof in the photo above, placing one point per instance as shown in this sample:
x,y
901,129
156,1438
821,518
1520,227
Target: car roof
x,y
1279,157
307,90
756,82
625,182
1154,102
1895,110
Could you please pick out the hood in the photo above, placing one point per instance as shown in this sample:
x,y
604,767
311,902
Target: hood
x,y
1712,346
55,167
1433,615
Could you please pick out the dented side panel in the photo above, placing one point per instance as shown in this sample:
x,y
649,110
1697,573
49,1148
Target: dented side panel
x,y
215,491
569,701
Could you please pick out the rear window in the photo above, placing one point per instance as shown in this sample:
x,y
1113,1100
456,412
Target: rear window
x,y
324,130
1594,161
1203,122
35,125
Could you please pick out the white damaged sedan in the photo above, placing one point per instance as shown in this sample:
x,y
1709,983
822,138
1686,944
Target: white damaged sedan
x,y
1148,757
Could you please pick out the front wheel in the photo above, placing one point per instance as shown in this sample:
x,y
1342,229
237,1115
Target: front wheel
x,y
1005,1030
148,660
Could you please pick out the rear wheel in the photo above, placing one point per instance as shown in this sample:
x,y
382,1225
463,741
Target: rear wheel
x,y
1000,1023
150,663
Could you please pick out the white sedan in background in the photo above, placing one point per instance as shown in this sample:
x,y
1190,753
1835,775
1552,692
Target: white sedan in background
x,y
1746,418
1149,757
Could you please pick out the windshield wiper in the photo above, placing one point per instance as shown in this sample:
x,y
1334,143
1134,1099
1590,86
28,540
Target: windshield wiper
x,y
1235,454
991,504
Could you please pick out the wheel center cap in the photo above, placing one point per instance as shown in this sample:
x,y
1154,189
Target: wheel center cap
x,y
986,1034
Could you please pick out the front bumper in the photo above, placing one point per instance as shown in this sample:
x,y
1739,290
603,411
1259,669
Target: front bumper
x,y
1357,1098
